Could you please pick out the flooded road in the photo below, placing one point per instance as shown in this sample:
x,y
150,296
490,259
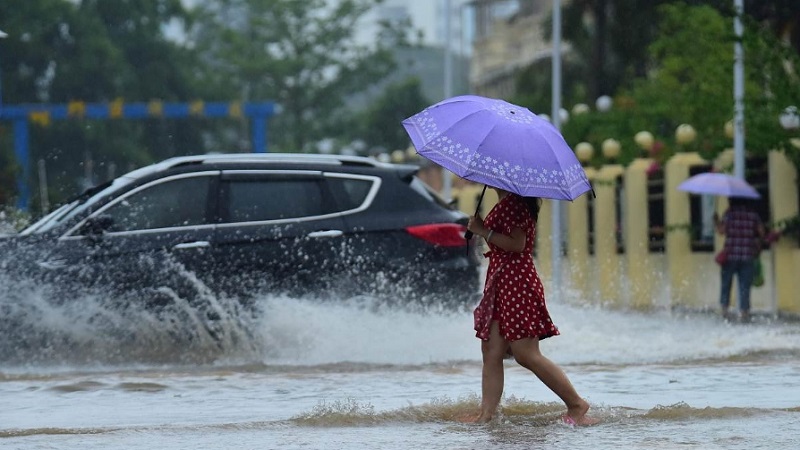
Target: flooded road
x,y
345,374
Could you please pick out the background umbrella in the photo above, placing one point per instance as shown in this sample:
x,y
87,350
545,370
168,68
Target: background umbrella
x,y
713,183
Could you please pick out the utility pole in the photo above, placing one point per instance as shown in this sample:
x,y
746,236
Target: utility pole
x,y
447,180
738,92
556,120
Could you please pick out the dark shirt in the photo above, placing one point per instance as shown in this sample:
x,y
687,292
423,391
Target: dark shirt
x,y
742,240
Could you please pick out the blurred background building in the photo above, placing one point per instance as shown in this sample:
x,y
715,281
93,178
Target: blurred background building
x,y
509,36
428,32
490,42
430,18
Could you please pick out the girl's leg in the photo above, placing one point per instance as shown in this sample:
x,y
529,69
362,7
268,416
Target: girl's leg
x,y
492,380
526,351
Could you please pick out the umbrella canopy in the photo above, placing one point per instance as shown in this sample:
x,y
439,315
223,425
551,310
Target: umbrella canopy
x,y
713,183
499,144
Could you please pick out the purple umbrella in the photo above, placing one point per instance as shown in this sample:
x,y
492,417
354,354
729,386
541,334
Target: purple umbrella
x,y
713,183
499,144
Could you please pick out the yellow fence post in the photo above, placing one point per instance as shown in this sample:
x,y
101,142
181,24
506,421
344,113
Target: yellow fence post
x,y
783,196
641,277
680,260
606,256
581,268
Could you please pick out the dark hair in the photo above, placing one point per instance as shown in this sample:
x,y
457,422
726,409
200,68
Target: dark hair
x,y
741,202
534,204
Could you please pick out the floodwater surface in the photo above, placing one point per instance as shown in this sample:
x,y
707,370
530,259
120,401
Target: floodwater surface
x,y
319,373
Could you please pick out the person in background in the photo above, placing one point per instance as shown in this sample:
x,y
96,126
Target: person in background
x,y
744,232
512,315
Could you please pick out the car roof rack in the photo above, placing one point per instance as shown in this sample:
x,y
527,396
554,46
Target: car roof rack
x,y
300,158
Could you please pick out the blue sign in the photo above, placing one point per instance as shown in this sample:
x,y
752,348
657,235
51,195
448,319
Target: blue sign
x,y
43,114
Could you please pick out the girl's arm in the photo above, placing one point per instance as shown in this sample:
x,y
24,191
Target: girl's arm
x,y
513,243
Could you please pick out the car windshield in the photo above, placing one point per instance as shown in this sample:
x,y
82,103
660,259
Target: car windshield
x,y
67,211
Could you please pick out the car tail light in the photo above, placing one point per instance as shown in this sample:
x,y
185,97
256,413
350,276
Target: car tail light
x,y
442,234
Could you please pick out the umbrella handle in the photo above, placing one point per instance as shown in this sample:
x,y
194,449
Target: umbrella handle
x,y
468,234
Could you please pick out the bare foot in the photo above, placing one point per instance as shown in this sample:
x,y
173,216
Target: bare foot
x,y
483,419
466,418
576,415
473,418
470,418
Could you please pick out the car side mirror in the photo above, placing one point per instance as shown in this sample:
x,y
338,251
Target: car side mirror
x,y
97,225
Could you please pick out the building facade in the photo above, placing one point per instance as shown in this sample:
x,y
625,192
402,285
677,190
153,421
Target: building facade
x,y
509,36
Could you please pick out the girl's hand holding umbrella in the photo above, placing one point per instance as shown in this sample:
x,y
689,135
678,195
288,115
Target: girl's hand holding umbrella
x,y
476,226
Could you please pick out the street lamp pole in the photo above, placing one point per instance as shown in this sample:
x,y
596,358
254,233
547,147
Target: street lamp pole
x,y
447,181
556,120
738,92
448,55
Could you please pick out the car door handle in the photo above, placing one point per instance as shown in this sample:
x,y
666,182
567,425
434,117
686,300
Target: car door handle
x,y
325,234
189,245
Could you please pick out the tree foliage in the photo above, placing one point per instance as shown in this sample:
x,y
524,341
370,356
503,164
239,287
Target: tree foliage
x,y
610,38
60,51
665,62
302,55
610,47
690,80
379,124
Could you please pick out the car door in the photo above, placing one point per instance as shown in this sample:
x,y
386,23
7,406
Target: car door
x,y
154,237
279,231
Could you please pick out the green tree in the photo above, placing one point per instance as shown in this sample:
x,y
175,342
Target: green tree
x,y
691,81
379,125
609,41
152,66
97,51
533,85
302,55
610,38
31,61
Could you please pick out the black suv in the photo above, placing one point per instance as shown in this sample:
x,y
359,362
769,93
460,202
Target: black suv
x,y
240,224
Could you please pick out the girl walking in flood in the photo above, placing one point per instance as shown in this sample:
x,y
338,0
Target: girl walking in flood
x,y
512,316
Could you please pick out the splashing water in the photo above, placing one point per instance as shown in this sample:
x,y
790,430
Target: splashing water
x,y
45,325
198,326
195,369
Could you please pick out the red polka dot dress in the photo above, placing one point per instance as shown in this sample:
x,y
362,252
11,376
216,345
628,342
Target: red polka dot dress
x,y
513,294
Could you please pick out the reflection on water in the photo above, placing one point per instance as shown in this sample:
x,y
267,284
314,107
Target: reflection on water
x,y
353,373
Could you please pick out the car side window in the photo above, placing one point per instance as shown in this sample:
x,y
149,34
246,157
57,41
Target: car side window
x,y
253,200
349,193
175,203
